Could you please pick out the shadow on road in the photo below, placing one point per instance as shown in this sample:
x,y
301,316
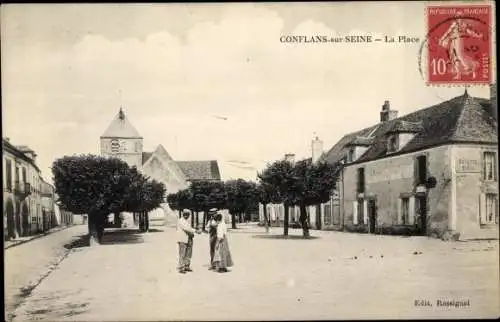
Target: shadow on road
x,y
284,237
110,237
122,236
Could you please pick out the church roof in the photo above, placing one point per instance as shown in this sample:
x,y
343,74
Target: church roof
x,y
194,170
463,119
200,170
121,127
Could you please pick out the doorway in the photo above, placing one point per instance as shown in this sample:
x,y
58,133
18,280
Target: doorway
x,y
11,229
372,215
422,214
26,213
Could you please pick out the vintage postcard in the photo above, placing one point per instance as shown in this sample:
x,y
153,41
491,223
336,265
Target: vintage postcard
x,y
250,161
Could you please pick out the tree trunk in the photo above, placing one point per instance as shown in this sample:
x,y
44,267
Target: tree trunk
x,y
117,220
192,219
265,219
141,222
197,220
100,227
205,217
146,221
285,224
319,223
304,220
233,220
180,213
93,240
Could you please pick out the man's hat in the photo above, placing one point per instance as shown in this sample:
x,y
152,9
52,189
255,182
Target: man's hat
x,y
212,211
186,212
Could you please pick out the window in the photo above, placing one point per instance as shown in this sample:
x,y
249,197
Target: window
x,y
328,214
405,211
8,165
421,169
489,171
392,144
361,180
491,215
24,174
350,157
115,146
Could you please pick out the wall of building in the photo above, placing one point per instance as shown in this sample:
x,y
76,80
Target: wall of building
x,y
388,180
160,171
471,189
130,150
27,211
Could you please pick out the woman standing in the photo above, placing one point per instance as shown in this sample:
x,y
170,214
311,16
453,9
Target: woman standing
x,y
222,256
212,233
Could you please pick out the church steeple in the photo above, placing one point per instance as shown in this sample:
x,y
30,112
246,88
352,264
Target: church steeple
x,y
121,127
122,140
121,115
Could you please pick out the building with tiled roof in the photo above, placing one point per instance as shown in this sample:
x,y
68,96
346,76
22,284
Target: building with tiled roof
x,y
122,140
28,205
430,172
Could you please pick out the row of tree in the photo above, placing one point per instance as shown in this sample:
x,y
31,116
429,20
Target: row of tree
x,y
302,184
239,197
99,186
293,184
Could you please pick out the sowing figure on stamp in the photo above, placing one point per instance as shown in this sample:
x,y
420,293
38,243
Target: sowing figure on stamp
x,y
453,41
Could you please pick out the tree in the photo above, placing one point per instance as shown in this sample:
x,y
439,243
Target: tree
x,y
173,202
266,196
98,186
280,178
242,197
314,185
207,194
143,196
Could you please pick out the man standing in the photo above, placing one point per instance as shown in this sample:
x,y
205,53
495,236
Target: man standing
x,y
185,234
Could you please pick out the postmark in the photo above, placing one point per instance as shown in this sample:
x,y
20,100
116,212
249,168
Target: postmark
x,y
458,45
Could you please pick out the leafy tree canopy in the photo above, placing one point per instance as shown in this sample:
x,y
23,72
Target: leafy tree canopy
x,y
89,184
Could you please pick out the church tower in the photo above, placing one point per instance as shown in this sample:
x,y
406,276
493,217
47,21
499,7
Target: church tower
x,y
122,140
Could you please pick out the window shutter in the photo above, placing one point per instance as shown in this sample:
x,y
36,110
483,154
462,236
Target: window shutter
x,y
400,212
482,208
365,212
355,212
411,210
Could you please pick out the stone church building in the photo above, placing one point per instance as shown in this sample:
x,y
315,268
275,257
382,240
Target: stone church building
x,y
122,140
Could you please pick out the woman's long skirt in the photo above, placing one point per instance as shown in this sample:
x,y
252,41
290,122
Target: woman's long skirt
x,y
222,257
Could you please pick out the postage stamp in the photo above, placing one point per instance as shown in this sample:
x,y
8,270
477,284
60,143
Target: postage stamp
x,y
459,45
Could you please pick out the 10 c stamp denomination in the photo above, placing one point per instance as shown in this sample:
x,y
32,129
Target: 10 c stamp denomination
x,y
459,44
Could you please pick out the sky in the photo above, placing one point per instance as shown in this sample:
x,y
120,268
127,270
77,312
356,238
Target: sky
x,y
207,81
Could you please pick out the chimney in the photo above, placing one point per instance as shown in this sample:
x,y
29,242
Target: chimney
x,y
387,114
493,101
317,149
290,157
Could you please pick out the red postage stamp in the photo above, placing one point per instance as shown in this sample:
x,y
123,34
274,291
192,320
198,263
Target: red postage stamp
x,y
459,44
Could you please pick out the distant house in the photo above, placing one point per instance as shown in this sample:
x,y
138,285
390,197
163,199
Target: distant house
x,y
431,172
122,140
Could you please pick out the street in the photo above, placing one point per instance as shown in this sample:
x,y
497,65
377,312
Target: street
x,y
332,276
26,264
